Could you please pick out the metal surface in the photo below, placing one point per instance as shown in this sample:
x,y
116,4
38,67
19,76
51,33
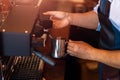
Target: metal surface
x,y
58,47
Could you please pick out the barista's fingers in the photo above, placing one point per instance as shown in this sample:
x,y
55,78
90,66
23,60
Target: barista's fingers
x,y
51,17
70,52
50,13
69,47
55,24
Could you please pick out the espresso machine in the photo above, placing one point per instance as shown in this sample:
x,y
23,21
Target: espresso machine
x,y
20,34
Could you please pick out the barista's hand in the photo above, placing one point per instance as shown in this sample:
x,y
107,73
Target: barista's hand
x,y
60,19
80,49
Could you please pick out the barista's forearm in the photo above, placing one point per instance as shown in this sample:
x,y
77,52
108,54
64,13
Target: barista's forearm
x,y
87,20
111,58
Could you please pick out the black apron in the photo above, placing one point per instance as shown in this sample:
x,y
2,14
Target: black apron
x,y
109,40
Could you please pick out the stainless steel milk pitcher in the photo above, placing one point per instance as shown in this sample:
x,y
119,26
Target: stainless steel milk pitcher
x,y
59,47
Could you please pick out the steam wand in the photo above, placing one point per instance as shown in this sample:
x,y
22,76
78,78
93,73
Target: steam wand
x,y
40,42
44,58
